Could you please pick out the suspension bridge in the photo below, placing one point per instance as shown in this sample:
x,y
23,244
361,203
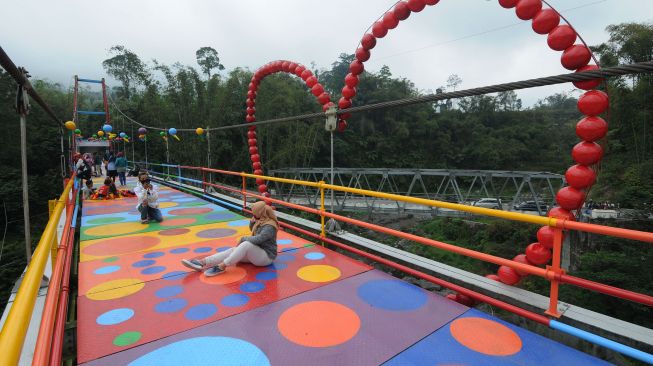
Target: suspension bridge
x,y
103,289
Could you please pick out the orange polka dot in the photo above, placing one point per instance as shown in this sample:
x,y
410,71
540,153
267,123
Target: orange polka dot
x,y
485,336
319,324
121,245
178,222
233,274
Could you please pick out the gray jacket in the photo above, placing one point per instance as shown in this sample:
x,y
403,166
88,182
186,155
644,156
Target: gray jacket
x,y
264,237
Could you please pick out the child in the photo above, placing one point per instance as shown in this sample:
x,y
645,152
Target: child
x,y
87,191
259,249
148,199
107,192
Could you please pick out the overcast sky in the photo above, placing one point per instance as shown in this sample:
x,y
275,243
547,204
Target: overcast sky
x,y
476,39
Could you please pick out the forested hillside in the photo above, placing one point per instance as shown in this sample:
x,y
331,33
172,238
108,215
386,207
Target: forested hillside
x,y
485,132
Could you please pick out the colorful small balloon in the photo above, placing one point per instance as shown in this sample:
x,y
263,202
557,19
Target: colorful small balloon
x,y
122,134
142,131
78,131
100,133
172,131
70,125
199,131
107,128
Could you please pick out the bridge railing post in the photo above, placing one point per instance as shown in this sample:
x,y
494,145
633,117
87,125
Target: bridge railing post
x,y
553,273
322,229
244,191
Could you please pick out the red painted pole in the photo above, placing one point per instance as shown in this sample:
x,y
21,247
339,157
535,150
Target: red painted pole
x,y
62,309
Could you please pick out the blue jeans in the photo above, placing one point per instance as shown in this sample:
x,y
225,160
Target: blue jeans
x,y
153,213
123,180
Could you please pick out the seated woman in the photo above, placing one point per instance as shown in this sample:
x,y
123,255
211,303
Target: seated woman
x,y
259,249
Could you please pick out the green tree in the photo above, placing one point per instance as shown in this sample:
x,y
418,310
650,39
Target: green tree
x,y
127,68
207,58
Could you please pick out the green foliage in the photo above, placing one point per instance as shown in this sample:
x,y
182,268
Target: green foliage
x,y
207,58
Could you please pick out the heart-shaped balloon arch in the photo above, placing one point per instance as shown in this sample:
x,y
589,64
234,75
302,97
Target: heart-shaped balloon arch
x,y
561,37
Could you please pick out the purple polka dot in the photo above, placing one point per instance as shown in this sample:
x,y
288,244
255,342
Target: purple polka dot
x,y
200,312
143,263
170,306
154,255
153,270
216,233
222,249
179,250
202,250
266,276
175,275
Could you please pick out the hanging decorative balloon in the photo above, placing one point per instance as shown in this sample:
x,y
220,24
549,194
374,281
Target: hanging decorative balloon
x,y
173,132
100,133
78,132
126,138
163,135
200,132
122,134
142,131
107,128
142,137
70,125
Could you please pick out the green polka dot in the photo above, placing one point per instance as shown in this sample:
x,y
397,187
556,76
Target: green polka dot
x,y
127,338
105,220
110,259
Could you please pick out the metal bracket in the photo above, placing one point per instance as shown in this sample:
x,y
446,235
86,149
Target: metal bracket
x,y
331,119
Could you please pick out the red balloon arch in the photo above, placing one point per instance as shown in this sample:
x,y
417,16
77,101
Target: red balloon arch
x,y
270,68
560,37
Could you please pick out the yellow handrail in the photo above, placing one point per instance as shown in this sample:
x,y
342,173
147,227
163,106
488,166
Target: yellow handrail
x,y
15,328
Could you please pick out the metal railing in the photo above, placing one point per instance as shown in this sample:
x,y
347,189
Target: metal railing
x,y
553,273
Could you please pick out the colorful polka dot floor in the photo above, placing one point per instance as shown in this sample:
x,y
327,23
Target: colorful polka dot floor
x,y
138,305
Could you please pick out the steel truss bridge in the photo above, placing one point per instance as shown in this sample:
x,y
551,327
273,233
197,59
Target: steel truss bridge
x,y
452,185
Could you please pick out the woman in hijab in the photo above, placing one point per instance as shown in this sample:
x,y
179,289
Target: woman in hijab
x,y
260,249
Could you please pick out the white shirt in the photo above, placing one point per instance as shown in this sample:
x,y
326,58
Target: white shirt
x,y
151,196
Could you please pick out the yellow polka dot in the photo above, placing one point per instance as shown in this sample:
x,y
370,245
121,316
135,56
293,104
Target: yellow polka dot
x,y
318,273
115,229
168,204
115,289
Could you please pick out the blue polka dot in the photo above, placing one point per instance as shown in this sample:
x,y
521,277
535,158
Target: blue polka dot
x,y
179,250
266,276
252,287
169,291
170,305
227,350
200,312
106,270
286,257
277,266
154,255
144,263
203,250
115,316
222,249
284,241
392,295
314,256
234,300
239,223
175,275
153,270
291,250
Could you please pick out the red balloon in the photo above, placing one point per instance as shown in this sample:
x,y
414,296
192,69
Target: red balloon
x,y
251,111
252,86
527,9
251,134
416,5
356,67
344,103
362,54
299,70
508,3
342,126
255,158
256,165
344,116
369,41
575,57
292,66
570,198
251,94
311,81
379,30
285,65
545,236
465,300
251,128
588,84
591,128
561,37
250,118
259,181
508,275
580,176
593,103
351,80
587,153
389,20
431,2
268,195
251,142
253,150
561,213
538,254
323,98
493,277
328,105
401,10
250,102
317,89
545,21
521,258
348,92
306,74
